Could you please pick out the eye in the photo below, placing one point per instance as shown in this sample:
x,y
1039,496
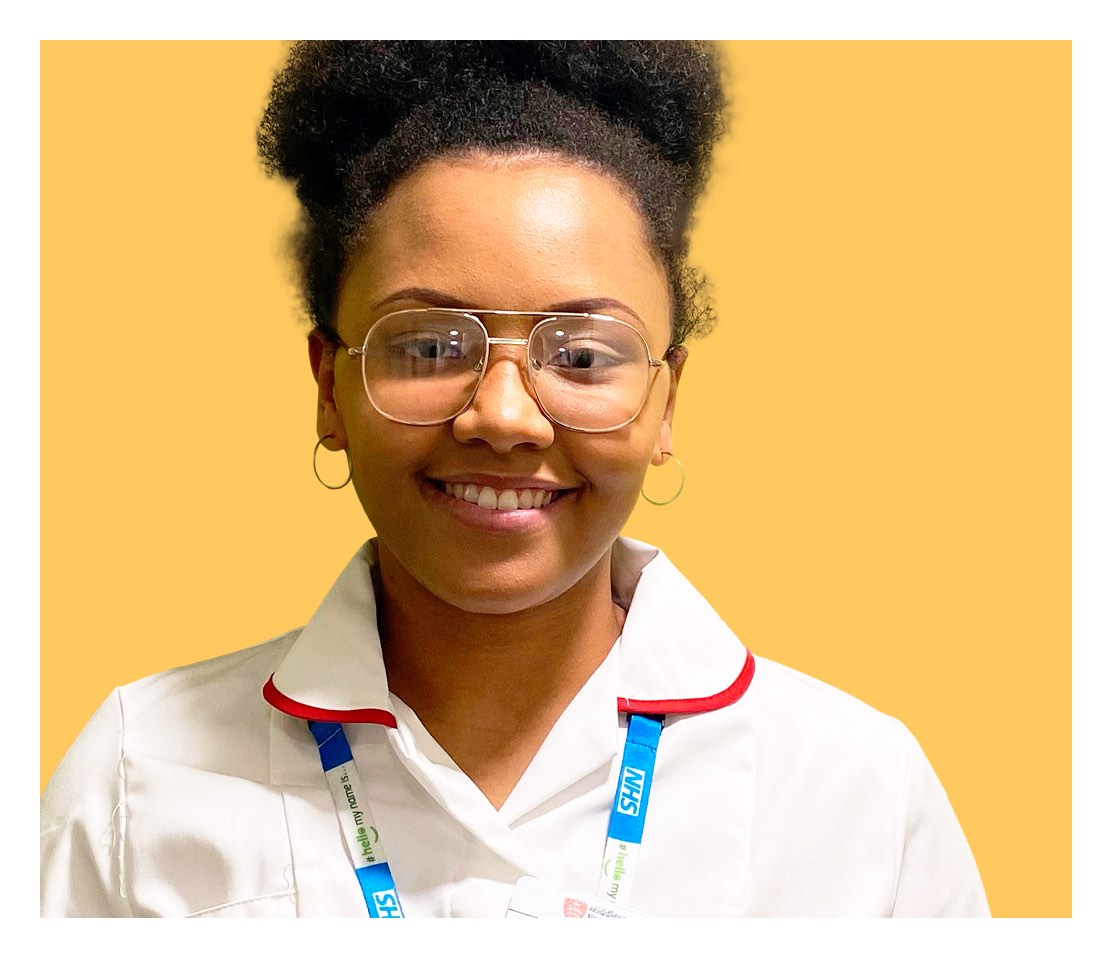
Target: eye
x,y
589,351
429,347
582,356
585,355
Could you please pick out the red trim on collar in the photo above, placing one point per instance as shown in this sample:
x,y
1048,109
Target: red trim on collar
x,y
299,710
641,706
690,706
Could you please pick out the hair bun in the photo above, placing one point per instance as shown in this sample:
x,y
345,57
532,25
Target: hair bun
x,y
335,99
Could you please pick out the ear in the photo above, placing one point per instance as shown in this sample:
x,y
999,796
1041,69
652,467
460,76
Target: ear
x,y
675,357
322,357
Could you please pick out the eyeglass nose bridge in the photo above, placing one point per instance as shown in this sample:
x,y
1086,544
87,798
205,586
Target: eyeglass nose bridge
x,y
506,341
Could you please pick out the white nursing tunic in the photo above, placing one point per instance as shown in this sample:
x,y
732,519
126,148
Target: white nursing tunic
x,y
199,792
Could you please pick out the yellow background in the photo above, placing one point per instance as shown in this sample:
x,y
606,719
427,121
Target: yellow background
x,y
876,437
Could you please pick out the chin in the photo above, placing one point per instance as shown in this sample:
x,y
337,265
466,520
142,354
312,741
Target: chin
x,y
492,604
497,595
487,575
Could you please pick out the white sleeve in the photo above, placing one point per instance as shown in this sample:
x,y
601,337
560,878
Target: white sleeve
x,y
938,876
82,820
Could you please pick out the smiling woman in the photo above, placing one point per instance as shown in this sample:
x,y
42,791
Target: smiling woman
x,y
502,706
554,236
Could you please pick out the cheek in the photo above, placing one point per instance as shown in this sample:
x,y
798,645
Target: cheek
x,y
615,464
621,458
377,445
385,456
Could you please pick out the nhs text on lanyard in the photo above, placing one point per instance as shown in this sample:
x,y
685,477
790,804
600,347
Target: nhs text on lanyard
x,y
623,837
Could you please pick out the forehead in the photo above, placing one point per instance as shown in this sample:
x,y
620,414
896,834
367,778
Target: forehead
x,y
507,233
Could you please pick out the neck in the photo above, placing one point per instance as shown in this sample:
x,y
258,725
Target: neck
x,y
487,687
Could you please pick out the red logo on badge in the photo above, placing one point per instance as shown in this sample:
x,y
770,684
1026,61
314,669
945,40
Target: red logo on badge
x,y
574,908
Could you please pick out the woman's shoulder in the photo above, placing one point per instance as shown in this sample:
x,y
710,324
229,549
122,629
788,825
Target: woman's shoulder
x,y
151,753
798,714
789,689
199,714
212,680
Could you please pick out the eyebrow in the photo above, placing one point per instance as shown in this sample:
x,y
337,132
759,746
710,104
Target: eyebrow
x,y
435,297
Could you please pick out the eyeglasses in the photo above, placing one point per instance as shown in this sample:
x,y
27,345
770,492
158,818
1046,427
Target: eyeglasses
x,y
588,373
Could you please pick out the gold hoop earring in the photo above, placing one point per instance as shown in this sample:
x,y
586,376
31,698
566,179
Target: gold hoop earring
x,y
316,449
683,479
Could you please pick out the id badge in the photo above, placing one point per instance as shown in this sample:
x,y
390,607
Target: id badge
x,y
533,898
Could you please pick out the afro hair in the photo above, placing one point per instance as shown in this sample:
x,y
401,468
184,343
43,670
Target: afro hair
x,y
347,119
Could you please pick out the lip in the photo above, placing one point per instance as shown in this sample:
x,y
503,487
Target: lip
x,y
497,521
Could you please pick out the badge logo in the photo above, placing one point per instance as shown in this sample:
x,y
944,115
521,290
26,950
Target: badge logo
x,y
574,908
386,904
630,789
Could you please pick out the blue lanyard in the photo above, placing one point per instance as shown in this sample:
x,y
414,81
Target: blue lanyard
x,y
623,836
631,803
360,835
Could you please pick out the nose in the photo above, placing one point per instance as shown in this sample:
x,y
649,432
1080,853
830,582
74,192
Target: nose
x,y
504,413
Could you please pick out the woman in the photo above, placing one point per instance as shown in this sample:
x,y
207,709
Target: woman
x,y
501,707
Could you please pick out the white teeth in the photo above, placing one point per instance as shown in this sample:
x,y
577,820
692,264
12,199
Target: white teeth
x,y
503,500
488,498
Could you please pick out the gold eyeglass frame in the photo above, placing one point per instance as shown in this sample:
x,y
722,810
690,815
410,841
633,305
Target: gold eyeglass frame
x,y
532,366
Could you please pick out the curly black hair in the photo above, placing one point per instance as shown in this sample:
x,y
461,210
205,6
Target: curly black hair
x,y
346,119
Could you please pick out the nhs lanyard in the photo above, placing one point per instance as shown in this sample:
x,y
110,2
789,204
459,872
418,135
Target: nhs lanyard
x,y
631,803
364,845
360,835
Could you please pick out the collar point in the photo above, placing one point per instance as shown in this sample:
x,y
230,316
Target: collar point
x,y
693,706
283,703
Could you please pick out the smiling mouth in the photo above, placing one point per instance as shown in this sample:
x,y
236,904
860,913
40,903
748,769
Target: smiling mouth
x,y
500,500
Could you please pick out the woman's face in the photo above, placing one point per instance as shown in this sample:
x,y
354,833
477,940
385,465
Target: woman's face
x,y
529,234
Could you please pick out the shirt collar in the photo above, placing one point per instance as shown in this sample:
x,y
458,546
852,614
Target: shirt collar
x,y
676,655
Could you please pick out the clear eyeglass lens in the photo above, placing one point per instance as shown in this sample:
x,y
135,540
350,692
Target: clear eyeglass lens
x,y
423,367
589,372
